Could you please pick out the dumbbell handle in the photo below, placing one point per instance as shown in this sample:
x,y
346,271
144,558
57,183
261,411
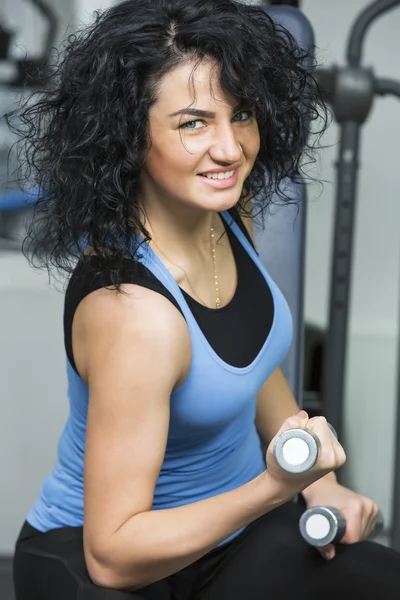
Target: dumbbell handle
x,y
297,450
323,525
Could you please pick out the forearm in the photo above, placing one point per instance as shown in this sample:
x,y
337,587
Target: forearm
x,y
275,403
155,544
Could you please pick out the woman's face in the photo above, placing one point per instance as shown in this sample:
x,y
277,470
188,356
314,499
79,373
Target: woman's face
x,y
214,134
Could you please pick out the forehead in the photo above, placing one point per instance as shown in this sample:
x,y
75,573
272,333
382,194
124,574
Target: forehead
x,y
192,83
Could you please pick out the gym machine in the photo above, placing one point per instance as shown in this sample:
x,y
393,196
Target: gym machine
x,y
17,76
350,91
27,72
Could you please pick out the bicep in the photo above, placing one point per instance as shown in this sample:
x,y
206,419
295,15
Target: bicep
x,y
133,360
127,427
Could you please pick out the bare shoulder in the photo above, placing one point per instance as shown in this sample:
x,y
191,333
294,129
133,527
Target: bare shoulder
x,y
134,318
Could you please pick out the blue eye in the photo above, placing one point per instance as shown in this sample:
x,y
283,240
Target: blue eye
x,y
245,112
189,123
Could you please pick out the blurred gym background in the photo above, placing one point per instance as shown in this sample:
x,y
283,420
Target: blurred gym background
x,y
33,402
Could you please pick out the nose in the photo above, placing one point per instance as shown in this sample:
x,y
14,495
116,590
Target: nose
x,y
225,146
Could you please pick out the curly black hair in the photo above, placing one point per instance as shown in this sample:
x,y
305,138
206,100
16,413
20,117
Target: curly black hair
x,y
85,136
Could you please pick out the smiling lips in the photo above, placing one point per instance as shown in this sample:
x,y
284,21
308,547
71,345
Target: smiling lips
x,y
221,179
220,174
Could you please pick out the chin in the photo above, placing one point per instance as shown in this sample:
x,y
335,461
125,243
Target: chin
x,y
219,202
223,204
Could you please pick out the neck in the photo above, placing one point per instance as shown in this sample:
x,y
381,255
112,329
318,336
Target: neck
x,y
181,230
185,240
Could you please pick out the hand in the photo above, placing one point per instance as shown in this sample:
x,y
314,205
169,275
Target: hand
x,y
360,512
331,455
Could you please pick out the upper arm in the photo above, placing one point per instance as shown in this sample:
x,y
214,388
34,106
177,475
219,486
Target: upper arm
x,y
132,349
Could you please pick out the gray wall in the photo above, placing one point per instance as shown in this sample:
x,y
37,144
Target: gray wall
x,y
33,404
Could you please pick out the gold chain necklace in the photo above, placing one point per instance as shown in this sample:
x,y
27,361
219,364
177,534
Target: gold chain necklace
x,y
214,257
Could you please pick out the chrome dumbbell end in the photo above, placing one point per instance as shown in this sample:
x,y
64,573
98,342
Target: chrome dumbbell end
x,y
323,525
296,450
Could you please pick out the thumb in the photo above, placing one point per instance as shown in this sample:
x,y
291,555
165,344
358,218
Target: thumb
x,y
327,552
298,421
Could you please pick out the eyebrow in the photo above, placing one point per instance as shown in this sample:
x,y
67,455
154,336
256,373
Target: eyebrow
x,y
195,112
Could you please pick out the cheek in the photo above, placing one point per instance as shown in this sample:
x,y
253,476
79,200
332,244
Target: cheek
x,y
253,143
171,159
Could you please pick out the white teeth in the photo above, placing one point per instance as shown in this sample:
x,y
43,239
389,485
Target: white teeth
x,y
225,175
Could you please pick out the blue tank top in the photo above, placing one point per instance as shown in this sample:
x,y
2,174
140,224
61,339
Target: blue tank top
x,y
213,445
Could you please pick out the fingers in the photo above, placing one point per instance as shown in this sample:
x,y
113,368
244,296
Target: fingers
x,y
324,451
327,552
361,517
299,421
331,452
317,425
301,460
371,512
320,426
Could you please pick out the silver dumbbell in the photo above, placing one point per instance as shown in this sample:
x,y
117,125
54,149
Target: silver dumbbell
x,y
323,525
296,450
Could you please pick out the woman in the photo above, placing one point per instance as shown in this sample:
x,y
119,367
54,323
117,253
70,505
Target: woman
x,y
156,134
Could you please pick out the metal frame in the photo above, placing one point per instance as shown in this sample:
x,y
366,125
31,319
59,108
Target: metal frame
x,y
350,91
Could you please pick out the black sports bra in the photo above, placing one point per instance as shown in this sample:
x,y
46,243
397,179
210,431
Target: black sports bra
x,y
236,331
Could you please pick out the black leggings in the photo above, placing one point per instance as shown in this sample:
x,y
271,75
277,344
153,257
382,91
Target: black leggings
x,y
268,561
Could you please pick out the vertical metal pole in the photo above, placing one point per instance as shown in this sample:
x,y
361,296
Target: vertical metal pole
x,y
395,529
336,344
